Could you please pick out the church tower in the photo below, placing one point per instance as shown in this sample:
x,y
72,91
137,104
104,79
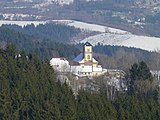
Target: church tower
x,y
87,64
87,52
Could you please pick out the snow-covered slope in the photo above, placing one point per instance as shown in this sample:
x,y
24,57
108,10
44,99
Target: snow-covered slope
x,y
128,40
113,36
21,23
90,27
47,2
94,27
76,24
108,36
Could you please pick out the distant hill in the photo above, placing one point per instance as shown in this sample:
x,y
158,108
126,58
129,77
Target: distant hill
x,y
53,40
136,16
105,35
128,40
44,40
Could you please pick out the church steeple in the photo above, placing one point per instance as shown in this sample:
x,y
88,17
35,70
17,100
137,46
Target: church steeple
x,y
87,51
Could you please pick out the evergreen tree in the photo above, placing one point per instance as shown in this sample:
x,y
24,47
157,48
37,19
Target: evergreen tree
x,y
141,81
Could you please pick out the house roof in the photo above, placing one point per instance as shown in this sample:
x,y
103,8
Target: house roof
x,y
87,44
88,62
73,63
78,58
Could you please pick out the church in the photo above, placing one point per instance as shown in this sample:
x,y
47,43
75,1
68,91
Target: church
x,y
88,65
83,65
83,69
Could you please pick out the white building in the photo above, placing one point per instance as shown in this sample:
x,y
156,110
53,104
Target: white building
x,y
60,64
84,63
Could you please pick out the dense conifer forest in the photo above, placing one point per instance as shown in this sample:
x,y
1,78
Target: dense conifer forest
x,y
50,31
28,91
38,40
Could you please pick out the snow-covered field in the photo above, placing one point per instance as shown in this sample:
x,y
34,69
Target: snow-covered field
x,y
94,27
108,36
128,40
21,23
76,24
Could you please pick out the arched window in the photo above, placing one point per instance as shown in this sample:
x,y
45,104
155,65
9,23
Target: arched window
x,y
88,57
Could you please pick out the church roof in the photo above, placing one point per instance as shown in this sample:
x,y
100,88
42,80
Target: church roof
x,y
87,44
78,58
73,63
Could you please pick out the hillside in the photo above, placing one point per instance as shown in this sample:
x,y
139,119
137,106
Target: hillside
x,y
128,40
55,38
106,36
131,15
38,40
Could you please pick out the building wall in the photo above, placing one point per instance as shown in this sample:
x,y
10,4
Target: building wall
x,y
88,49
60,64
97,73
87,69
88,56
76,69
95,64
97,69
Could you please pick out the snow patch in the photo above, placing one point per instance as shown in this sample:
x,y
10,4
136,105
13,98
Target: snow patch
x,y
21,23
94,27
128,40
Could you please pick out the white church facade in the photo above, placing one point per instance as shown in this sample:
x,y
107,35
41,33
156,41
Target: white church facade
x,y
84,64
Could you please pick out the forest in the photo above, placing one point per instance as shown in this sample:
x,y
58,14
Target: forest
x,y
52,31
37,40
28,91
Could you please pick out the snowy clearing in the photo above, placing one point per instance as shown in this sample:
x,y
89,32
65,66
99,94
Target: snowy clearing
x,y
128,40
21,23
76,24
94,27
